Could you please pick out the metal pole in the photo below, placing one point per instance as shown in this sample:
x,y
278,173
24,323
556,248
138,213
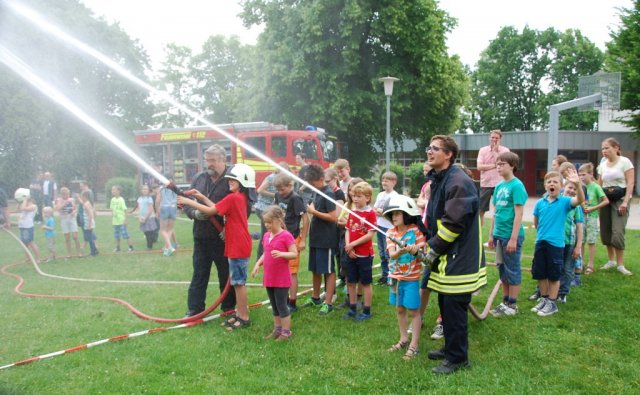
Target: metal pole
x,y
388,151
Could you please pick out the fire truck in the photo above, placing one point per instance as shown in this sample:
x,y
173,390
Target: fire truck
x,y
179,153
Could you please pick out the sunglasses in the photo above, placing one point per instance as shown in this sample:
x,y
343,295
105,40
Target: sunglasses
x,y
435,149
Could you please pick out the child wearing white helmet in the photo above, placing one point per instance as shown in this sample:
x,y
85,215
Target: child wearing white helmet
x,y
234,207
404,240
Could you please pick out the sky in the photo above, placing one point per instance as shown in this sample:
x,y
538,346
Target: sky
x,y
190,22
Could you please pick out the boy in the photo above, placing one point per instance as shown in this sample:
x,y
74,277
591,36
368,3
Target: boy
x,y
388,182
88,221
507,233
596,199
359,247
49,227
294,209
572,243
549,215
344,173
119,218
323,240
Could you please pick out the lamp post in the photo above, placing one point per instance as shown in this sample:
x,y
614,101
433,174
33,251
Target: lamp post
x,y
388,91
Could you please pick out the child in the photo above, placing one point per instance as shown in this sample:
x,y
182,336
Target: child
x,y
573,235
323,240
279,247
167,211
237,247
66,207
507,233
549,215
595,200
359,248
389,180
28,212
294,210
404,270
147,216
119,217
49,227
88,221
344,174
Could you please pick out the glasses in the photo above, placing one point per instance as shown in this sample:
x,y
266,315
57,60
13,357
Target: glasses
x,y
435,149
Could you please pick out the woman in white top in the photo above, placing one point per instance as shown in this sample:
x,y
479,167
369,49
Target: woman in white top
x,y
616,175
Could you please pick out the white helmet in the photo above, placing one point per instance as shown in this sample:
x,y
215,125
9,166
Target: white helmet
x,y
244,174
21,194
402,203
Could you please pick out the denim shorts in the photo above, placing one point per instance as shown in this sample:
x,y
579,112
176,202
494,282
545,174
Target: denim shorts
x,y
238,270
408,295
548,262
509,264
359,270
168,213
26,235
120,232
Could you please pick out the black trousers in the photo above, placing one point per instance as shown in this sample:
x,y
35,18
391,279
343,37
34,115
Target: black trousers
x,y
206,252
454,321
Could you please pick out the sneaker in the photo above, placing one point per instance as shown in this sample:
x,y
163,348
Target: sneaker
x,y
562,299
349,315
511,310
548,309
130,249
541,303
624,270
576,282
325,309
609,265
438,332
116,249
499,310
436,355
450,367
312,302
292,308
535,296
382,280
363,317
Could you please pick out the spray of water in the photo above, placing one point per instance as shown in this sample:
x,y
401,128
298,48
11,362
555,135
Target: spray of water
x,y
41,23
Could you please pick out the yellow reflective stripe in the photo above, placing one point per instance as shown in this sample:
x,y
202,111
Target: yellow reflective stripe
x,y
456,284
445,234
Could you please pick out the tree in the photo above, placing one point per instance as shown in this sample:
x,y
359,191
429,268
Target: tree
x,y
320,63
520,74
623,55
39,132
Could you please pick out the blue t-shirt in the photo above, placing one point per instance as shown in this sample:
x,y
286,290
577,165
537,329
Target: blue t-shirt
x,y
506,195
51,223
551,217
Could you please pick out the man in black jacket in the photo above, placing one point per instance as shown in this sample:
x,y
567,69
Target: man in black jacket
x,y
208,235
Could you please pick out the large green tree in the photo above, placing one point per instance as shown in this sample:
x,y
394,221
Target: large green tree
x,y
521,73
320,62
623,55
41,134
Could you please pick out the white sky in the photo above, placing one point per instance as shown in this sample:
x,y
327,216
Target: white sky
x,y
190,22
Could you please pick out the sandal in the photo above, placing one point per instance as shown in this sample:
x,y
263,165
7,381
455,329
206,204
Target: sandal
x,y
589,270
410,354
229,321
273,335
239,323
401,345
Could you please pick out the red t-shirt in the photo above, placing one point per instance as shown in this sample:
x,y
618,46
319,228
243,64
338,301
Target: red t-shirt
x,y
236,229
276,270
358,228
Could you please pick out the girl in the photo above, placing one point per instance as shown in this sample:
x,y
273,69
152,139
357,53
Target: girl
x,y
279,247
404,269
237,247
167,211
88,221
28,212
147,216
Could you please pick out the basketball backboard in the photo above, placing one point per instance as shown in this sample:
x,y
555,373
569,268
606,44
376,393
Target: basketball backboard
x,y
608,84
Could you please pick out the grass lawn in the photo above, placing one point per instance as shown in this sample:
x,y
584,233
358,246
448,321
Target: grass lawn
x,y
591,346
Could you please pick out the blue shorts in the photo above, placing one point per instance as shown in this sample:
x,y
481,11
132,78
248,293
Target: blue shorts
x,y
238,270
168,213
359,270
120,232
509,264
321,260
548,262
408,295
26,235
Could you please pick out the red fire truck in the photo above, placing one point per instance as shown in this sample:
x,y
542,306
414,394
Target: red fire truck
x,y
180,152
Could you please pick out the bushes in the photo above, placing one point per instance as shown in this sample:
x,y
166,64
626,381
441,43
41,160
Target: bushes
x,y
128,185
416,178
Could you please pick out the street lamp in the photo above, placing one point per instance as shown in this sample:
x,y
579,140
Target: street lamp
x,y
388,91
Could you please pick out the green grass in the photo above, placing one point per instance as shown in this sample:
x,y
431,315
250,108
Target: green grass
x,y
591,346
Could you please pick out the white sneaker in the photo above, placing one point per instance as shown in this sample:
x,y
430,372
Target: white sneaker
x,y
541,303
511,310
498,311
438,332
624,270
609,265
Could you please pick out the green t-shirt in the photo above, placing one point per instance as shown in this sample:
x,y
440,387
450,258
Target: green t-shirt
x,y
118,208
506,196
594,196
573,217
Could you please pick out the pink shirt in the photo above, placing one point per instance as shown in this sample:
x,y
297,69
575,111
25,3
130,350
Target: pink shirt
x,y
489,178
276,270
